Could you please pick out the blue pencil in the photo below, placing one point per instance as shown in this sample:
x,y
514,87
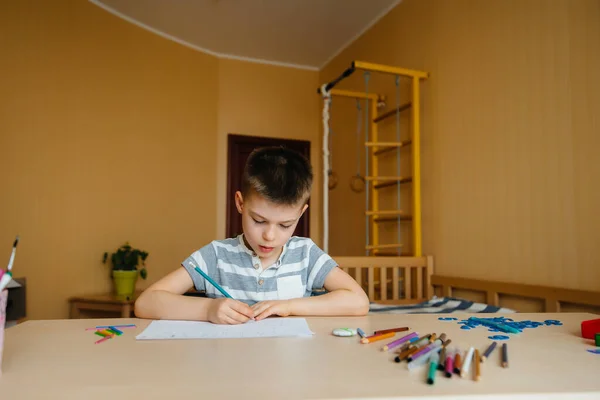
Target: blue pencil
x,y
215,284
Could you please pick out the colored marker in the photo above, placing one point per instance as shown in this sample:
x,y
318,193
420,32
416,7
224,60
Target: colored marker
x,y
477,365
488,351
398,342
103,339
442,363
406,353
111,326
433,368
414,346
457,362
504,355
375,338
423,360
467,363
424,350
361,332
422,341
7,276
402,350
12,255
408,344
115,330
100,334
449,365
403,329
215,284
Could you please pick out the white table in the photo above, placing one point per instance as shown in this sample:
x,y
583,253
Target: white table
x,y
58,359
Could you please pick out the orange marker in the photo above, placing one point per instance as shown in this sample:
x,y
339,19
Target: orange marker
x,y
457,362
374,338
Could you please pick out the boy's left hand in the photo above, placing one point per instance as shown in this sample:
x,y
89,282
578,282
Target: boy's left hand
x,y
265,309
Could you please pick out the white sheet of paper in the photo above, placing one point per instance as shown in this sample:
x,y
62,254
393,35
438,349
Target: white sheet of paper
x,y
270,327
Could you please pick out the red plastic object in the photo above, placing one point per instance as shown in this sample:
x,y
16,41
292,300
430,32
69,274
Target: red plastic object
x,y
589,328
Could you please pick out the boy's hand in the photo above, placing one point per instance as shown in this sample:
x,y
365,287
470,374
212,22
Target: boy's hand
x,y
265,309
229,311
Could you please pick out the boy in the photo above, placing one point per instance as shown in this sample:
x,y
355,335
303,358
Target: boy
x,y
265,270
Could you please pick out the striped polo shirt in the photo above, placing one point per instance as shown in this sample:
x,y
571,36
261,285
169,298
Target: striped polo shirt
x,y
301,268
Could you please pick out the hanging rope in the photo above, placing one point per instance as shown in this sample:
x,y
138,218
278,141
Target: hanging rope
x,y
326,105
367,235
332,179
398,154
357,182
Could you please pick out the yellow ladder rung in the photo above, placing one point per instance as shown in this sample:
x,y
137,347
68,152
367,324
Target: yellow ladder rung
x,y
378,253
387,178
383,246
378,220
390,148
385,212
387,144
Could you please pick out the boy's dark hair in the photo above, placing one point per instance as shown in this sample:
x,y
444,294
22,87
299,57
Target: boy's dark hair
x,y
280,175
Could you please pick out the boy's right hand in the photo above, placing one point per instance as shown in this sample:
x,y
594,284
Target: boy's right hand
x,y
229,311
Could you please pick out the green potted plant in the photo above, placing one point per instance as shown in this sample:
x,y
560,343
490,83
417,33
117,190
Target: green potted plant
x,y
125,262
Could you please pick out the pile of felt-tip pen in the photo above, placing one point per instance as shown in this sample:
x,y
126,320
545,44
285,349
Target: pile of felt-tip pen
x,y
434,351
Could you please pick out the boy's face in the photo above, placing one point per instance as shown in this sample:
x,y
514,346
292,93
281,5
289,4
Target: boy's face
x,y
267,226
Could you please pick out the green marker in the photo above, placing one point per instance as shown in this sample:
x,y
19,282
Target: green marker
x,y
433,364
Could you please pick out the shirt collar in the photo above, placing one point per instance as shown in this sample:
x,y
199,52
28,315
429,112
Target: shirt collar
x,y
255,257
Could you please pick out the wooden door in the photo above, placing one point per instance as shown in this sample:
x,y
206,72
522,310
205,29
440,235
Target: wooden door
x,y
239,148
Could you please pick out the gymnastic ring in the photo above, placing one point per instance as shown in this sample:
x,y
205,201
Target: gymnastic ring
x,y
332,181
357,183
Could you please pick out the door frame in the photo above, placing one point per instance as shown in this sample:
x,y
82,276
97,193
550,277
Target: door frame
x,y
235,142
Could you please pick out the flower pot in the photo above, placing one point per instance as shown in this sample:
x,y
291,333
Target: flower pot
x,y
125,282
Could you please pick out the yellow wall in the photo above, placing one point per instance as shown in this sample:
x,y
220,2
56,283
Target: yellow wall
x,y
510,136
269,101
111,133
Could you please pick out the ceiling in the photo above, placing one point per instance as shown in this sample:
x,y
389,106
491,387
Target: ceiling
x,y
299,33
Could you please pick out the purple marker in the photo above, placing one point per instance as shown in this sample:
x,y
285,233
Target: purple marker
x,y
425,350
398,342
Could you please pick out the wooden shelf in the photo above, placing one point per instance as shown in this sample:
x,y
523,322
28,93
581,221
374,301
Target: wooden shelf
x,y
392,148
385,212
392,219
388,114
384,246
393,183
